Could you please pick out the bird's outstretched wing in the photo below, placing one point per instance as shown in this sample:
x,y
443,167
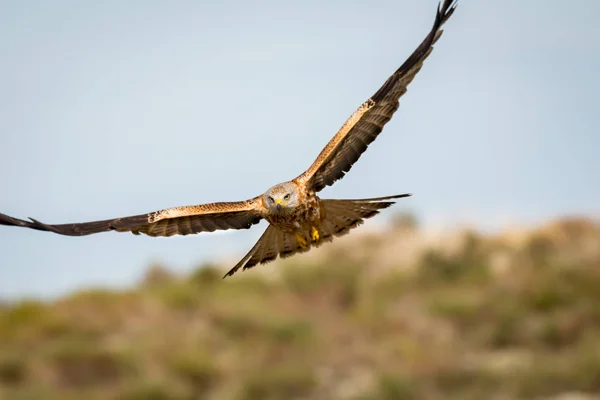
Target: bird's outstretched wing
x,y
168,222
368,120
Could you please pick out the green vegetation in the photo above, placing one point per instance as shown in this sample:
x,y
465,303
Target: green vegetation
x,y
461,316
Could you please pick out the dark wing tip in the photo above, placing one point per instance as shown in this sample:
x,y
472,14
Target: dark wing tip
x,y
12,221
447,8
31,224
442,15
230,272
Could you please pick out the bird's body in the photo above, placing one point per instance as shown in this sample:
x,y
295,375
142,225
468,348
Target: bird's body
x,y
295,219
290,207
298,218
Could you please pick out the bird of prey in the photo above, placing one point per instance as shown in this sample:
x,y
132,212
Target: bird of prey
x,y
298,218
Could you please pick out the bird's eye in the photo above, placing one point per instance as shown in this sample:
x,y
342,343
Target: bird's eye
x,y
271,199
286,197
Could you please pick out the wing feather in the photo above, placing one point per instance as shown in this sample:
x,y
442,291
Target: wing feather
x,y
367,122
168,222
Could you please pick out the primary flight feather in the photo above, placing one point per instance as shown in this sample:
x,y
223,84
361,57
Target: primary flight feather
x,y
298,218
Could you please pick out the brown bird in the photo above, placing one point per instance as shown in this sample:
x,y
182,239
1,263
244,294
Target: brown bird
x,y
298,218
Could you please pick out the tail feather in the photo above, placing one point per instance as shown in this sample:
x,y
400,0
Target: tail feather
x,y
375,199
341,216
266,253
338,218
271,244
287,245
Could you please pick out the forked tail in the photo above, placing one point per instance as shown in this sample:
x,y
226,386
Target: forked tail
x,y
338,218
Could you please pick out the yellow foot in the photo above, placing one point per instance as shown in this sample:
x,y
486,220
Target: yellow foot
x,y
314,234
301,240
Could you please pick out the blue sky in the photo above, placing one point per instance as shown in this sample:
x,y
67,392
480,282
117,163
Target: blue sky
x,y
116,108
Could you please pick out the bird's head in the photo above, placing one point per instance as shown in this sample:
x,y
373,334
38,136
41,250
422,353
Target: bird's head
x,y
282,198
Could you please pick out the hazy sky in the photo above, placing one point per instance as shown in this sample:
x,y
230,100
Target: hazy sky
x,y
116,108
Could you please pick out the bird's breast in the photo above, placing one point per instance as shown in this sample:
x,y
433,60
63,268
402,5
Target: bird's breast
x,y
301,217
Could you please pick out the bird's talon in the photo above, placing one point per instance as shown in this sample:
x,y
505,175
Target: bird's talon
x,y
314,234
301,240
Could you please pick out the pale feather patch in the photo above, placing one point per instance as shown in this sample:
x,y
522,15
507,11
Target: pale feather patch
x,y
339,136
211,208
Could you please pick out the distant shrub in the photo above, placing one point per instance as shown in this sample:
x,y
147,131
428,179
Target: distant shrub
x,y
31,320
279,382
97,296
395,387
24,312
577,372
405,221
197,370
86,364
272,329
460,308
13,370
338,281
549,293
148,391
289,331
207,274
505,330
540,249
157,275
180,295
237,325
470,264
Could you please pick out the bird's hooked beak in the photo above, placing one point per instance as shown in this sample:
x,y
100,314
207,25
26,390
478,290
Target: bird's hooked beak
x,y
279,204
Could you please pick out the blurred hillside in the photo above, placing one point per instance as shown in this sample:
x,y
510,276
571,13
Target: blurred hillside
x,y
377,315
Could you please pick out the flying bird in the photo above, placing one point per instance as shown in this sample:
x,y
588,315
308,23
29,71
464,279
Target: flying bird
x,y
298,218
